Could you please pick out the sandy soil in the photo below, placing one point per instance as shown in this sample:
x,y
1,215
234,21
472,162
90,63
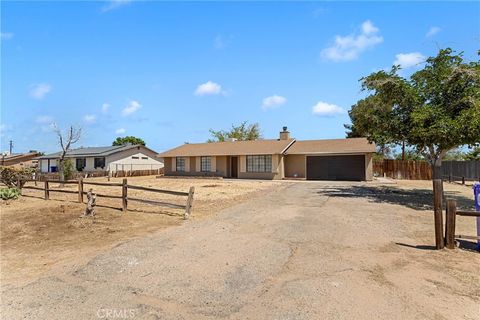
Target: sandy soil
x,y
307,250
39,236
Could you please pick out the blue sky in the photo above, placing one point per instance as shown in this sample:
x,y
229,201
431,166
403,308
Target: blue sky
x,y
168,72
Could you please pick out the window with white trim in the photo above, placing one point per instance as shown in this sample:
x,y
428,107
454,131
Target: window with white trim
x,y
259,163
180,164
205,164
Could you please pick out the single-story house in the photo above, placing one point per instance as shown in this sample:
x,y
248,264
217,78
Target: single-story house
x,y
20,160
112,158
283,158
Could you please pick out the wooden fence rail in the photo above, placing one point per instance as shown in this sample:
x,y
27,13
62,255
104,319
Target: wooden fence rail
x,y
124,197
450,222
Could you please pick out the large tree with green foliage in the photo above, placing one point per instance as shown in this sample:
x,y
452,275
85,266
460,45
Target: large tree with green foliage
x,y
241,132
371,118
473,154
435,110
120,141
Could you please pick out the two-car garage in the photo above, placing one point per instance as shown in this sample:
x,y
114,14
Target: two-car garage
x,y
336,159
342,167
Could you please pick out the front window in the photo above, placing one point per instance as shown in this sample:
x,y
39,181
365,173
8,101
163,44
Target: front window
x,y
80,164
206,164
259,163
99,163
180,164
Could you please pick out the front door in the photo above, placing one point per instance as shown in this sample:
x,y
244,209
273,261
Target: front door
x,y
234,167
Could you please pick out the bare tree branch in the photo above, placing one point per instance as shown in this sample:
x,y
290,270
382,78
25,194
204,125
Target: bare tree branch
x,y
73,136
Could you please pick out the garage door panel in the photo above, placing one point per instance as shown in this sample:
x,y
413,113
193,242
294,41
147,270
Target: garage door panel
x,y
336,167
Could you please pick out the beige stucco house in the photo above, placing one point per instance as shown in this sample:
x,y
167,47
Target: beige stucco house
x,y
112,158
335,159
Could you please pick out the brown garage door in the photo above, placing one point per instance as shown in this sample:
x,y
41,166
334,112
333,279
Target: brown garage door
x,y
336,167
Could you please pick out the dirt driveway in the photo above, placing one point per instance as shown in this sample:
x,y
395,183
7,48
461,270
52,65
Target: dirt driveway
x,y
305,251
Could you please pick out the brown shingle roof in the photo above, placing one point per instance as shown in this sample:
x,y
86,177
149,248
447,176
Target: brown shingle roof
x,y
333,146
229,148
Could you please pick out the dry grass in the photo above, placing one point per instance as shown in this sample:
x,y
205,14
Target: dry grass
x,y
39,235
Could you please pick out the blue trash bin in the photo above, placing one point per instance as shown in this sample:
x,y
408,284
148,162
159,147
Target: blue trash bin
x,y
476,192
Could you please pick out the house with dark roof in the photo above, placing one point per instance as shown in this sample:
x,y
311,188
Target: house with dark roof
x,y
112,158
282,158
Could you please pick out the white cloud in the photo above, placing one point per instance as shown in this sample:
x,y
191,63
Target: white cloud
x,y
433,31
324,109
6,35
349,47
132,107
219,42
273,102
408,60
369,28
105,107
3,127
44,119
120,131
114,4
90,118
39,91
208,88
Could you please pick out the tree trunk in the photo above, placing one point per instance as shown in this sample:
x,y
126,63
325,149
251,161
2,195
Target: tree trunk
x,y
403,150
61,172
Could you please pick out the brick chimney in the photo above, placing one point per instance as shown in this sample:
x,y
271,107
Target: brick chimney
x,y
285,134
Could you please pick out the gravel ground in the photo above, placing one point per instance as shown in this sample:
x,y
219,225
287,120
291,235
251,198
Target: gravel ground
x,y
304,251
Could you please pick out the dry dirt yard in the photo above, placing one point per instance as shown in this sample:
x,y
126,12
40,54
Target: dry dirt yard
x,y
302,250
38,236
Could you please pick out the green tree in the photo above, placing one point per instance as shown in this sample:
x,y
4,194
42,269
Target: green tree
x,y
473,154
436,110
241,132
68,169
371,118
120,141
409,155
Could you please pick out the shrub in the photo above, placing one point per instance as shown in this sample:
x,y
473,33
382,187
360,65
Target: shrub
x,y
10,176
67,169
9,193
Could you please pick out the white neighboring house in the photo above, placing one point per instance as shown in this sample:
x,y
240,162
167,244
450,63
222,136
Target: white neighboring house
x,y
113,158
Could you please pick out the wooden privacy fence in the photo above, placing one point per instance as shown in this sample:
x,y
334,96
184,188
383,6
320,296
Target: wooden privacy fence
x,y
421,170
124,197
451,215
402,169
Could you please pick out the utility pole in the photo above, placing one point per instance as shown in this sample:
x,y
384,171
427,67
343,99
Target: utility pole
x,y
11,146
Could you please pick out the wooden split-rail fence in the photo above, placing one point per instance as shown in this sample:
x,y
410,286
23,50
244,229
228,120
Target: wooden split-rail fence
x,y
124,197
450,221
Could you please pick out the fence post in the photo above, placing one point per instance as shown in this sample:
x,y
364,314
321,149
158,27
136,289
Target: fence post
x,y
47,192
124,195
189,204
450,223
80,189
437,212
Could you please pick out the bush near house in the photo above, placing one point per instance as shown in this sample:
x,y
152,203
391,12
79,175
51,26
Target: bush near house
x,y
11,177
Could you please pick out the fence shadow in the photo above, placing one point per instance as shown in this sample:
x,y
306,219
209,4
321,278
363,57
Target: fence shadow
x,y
419,247
418,199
